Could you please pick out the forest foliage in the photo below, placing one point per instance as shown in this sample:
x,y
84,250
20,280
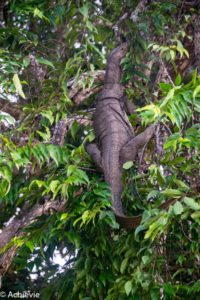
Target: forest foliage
x,y
50,54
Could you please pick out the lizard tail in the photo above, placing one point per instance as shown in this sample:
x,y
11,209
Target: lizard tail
x,y
125,221
117,205
129,222
134,221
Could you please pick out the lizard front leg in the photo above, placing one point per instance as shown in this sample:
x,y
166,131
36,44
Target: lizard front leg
x,y
95,153
128,106
130,149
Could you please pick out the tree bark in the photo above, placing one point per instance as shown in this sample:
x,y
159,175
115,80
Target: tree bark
x,y
197,43
15,230
10,108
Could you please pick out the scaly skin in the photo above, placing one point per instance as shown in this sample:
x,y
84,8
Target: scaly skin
x,y
115,135
112,134
111,125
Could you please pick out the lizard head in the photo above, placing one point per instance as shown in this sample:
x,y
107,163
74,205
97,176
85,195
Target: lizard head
x,y
118,53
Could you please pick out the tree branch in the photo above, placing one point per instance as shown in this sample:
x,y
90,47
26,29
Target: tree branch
x,y
197,43
77,93
10,108
134,17
16,226
64,125
139,9
28,215
116,27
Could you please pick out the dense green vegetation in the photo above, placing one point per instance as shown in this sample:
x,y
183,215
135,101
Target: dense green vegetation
x,y
50,54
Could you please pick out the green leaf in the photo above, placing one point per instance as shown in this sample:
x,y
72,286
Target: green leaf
x,y
196,215
64,216
38,13
18,86
190,202
169,289
109,218
155,294
71,169
169,96
177,208
138,230
127,165
93,47
91,136
178,79
26,62
91,27
44,62
54,153
48,115
80,176
84,10
36,152
156,227
4,187
165,86
196,91
6,173
74,129
172,141
124,265
73,237
43,150
54,187
194,76
145,259
30,245
179,182
172,54
172,193
85,216
128,287
39,183
6,117
43,135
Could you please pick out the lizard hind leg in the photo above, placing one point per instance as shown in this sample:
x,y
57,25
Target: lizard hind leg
x,y
93,150
130,149
95,153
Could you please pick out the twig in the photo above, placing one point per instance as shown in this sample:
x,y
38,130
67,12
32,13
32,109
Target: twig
x,y
64,125
159,149
140,8
142,154
197,43
167,128
180,11
166,72
134,18
116,27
